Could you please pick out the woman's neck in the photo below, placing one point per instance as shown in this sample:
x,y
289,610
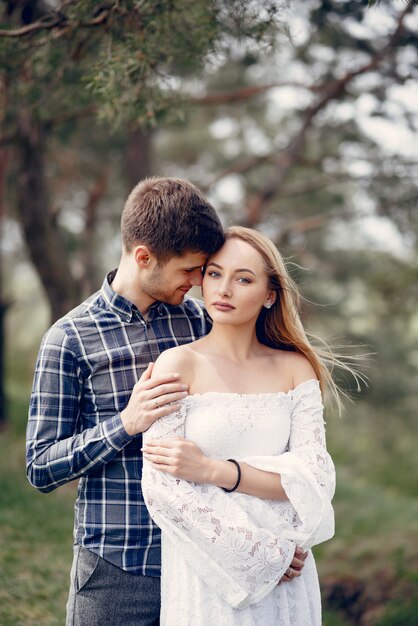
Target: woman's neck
x,y
235,343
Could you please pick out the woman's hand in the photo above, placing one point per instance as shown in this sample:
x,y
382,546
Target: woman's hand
x,y
179,457
295,568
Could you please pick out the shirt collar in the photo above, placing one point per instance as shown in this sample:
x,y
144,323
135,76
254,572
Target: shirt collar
x,y
157,308
120,305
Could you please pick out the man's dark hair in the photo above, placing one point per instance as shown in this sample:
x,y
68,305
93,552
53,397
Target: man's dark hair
x,y
171,217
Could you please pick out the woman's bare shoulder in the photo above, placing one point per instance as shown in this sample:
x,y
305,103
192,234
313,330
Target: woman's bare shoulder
x,y
297,365
174,360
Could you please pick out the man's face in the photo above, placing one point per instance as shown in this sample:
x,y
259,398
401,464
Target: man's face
x,y
169,283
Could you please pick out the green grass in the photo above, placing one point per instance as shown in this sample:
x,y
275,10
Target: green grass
x,y
369,571
331,618
400,613
35,541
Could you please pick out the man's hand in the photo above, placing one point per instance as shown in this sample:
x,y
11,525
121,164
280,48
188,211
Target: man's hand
x,y
179,457
295,568
152,399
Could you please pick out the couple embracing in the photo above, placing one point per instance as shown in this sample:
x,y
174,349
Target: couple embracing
x,y
195,429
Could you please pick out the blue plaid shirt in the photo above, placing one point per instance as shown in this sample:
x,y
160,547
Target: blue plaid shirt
x,y
88,363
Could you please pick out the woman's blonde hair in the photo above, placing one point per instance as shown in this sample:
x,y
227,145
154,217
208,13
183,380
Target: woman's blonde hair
x,y
280,326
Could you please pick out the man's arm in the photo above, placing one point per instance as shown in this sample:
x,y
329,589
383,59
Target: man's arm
x,y
57,450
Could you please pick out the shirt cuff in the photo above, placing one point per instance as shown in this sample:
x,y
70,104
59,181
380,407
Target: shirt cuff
x,y
115,433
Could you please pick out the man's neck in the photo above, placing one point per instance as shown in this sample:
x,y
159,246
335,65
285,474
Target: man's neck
x,y
127,285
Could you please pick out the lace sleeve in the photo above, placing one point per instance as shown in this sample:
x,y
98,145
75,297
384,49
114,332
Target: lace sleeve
x,y
307,436
240,560
306,469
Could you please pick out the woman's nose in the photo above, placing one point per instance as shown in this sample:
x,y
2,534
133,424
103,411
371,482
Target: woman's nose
x,y
224,290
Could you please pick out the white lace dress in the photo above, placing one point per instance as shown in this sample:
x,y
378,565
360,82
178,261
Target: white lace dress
x,y
224,553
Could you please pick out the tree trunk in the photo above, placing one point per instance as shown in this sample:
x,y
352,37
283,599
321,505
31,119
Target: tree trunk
x,y
3,303
91,278
41,232
138,159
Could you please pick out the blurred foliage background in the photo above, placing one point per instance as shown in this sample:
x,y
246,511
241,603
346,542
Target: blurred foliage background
x,y
296,118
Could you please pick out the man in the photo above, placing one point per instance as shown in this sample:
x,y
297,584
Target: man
x,y
88,408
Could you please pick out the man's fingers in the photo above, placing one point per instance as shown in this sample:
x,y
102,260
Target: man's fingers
x,y
147,374
166,385
161,380
146,405
301,554
167,398
297,564
289,575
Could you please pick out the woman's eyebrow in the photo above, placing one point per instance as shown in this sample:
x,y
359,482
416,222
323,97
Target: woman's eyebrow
x,y
241,269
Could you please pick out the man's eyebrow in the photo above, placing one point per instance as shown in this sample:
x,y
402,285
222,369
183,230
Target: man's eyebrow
x,y
241,269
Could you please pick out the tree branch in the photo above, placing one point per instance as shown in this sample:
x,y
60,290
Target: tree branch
x,y
311,223
290,156
56,21
45,23
311,187
245,93
243,167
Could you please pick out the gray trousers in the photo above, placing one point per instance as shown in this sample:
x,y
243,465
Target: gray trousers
x,y
104,595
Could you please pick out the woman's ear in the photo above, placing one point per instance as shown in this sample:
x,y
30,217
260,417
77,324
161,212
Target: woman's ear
x,y
270,300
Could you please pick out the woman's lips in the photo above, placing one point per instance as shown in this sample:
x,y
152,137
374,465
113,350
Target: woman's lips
x,y
223,306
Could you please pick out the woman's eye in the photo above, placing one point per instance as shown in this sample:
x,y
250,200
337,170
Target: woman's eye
x,y
245,281
213,274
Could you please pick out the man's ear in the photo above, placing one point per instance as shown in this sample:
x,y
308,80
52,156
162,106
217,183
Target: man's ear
x,y
142,256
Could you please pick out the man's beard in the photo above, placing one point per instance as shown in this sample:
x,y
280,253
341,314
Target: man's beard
x,y
157,289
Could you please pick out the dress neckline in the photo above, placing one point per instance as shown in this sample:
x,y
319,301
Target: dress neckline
x,y
298,387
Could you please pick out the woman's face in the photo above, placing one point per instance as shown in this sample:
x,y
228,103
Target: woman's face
x,y
235,285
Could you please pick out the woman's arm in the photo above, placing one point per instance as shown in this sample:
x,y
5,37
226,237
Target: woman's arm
x,y
184,459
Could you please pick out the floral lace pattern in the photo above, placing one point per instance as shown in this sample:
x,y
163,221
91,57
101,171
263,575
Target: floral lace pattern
x,y
223,554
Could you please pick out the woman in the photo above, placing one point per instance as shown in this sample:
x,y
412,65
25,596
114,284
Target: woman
x,y
237,476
